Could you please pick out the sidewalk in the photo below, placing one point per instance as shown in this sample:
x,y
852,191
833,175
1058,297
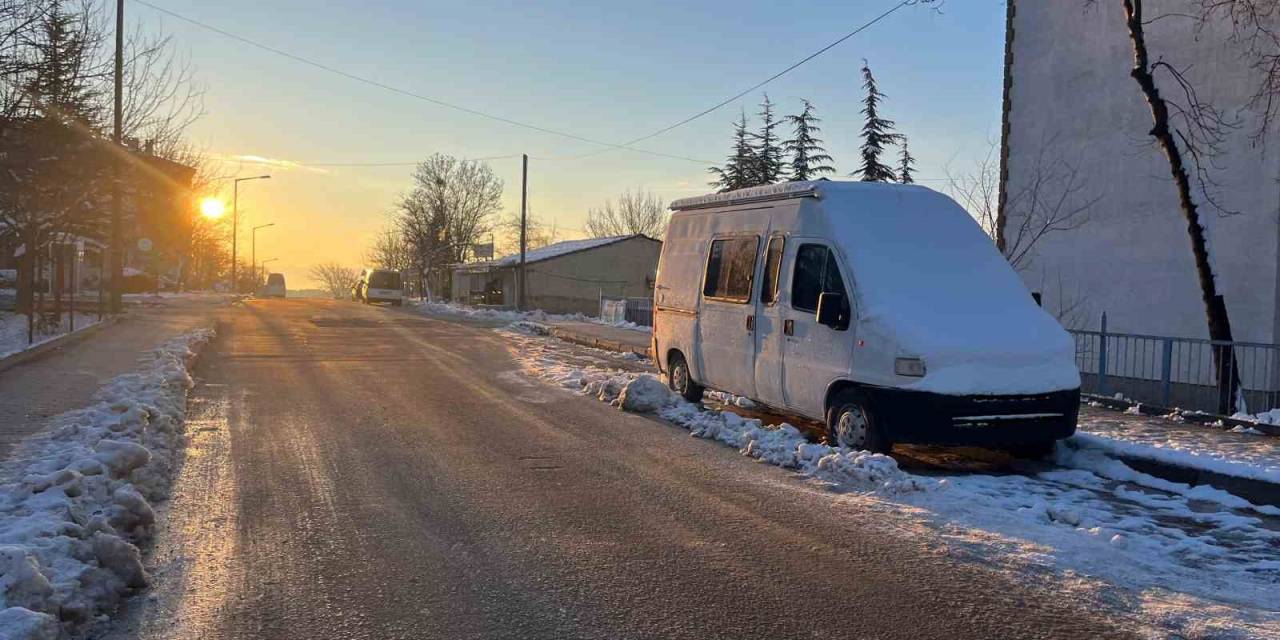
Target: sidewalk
x,y
66,378
1240,462
602,336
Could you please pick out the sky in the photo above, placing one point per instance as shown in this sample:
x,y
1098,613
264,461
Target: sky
x,y
611,72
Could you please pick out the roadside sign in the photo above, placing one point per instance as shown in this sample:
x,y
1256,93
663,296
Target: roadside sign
x,y
144,244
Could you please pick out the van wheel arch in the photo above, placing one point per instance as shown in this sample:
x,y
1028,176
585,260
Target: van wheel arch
x,y
842,394
689,389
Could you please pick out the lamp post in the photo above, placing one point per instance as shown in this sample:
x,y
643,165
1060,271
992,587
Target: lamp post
x,y
235,211
264,265
253,255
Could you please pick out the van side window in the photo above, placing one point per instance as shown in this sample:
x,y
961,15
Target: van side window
x,y
731,268
772,271
816,272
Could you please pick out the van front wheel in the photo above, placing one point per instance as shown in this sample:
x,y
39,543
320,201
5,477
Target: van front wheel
x,y
851,424
681,381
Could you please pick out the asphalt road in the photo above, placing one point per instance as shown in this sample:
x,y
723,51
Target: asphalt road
x,y
367,473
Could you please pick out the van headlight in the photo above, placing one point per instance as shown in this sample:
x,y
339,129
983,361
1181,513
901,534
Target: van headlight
x,y
913,367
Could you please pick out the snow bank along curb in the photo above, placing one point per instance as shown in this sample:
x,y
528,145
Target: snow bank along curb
x,y
1211,420
1258,486
1188,561
76,501
600,343
52,344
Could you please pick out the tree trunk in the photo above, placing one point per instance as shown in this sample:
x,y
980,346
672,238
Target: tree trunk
x,y
1214,305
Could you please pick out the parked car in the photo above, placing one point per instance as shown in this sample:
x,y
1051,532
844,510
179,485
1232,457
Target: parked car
x,y
275,286
882,310
380,285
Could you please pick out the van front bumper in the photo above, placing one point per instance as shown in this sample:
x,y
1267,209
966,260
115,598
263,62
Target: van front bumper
x,y
919,417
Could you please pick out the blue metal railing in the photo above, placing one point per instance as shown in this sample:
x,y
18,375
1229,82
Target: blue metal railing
x,y
1186,373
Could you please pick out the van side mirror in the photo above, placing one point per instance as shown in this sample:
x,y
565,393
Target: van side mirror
x,y
833,311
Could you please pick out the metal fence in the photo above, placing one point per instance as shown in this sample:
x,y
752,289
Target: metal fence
x,y
618,309
1180,372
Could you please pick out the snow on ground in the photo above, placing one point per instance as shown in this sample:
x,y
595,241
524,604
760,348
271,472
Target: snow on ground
x,y
1240,453
76,501
509,315
13,331
1266,417
1186,561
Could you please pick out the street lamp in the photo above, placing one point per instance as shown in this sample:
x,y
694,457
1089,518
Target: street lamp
x,y
264,266
235,210
253,256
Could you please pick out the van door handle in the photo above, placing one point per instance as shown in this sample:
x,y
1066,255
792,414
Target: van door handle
x,y
789,327
751,323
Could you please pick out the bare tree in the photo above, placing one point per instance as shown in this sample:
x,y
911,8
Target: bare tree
x,y
446,211
1052,199
538,232
635,212
1189,131
389,251
337,279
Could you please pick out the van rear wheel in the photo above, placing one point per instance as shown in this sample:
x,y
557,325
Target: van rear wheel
x,y
681,381
851,424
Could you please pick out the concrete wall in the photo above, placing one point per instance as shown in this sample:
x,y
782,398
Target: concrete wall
x,y
574,282
1072,103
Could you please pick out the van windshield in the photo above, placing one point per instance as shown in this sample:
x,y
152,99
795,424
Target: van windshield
x,y
384,280
276,278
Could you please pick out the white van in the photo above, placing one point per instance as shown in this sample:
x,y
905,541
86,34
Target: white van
x,y
380,285
881,309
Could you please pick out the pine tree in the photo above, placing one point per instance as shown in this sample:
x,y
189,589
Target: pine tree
x,y
738,171
877,133
808,157
906,164
64,83
769,166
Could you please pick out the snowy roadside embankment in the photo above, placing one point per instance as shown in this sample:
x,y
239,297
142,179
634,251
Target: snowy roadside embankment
x,y
76,501
1183,560
511,316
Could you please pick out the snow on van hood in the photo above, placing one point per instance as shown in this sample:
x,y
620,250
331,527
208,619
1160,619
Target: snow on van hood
x,y
930,281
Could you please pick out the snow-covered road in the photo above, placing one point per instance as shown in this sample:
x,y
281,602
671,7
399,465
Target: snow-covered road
x,y
1197,562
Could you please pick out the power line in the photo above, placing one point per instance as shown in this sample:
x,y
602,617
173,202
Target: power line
x,y
403,92
771,78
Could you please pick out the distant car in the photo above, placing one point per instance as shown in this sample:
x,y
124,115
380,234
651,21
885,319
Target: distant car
x,y
275,286
380,285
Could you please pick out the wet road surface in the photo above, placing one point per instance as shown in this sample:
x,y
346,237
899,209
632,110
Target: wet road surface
x,y
359,472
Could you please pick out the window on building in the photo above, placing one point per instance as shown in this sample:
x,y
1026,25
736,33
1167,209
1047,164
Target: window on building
x,y
731,269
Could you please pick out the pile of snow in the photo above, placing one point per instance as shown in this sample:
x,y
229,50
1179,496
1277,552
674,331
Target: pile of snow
x,y
74,503
1266,417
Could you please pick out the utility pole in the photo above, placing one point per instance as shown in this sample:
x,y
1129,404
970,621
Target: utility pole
x,y
117,137
524,223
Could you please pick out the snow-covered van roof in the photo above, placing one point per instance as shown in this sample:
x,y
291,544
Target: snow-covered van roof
x,y
553,251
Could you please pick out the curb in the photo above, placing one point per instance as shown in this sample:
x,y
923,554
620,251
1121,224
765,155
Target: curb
x,y
66,340
1195,417
600,343
1259,492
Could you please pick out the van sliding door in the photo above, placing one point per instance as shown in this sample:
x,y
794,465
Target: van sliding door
x,y
726,317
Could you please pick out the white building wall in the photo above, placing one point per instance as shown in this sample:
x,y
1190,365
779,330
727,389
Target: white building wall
x,y
1072,99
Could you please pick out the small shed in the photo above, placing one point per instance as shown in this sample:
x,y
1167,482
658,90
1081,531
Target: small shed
x,y
565,277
